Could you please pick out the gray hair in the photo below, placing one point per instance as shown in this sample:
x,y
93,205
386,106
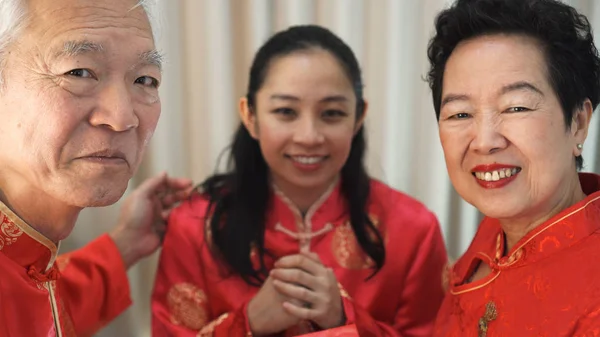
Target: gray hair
x,y
12,21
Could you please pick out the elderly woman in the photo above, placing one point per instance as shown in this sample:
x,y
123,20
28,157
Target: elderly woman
x,y
514,84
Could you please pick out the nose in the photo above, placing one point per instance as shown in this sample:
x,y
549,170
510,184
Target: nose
x,y
488,137
308,131
115,109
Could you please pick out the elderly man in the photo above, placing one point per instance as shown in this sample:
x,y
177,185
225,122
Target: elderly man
x,y
78,104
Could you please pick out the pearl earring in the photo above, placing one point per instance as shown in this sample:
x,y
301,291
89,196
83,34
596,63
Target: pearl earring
x,y
580,146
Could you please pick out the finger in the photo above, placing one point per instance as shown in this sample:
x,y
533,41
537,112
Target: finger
x,y
161,232
174,197
178,183
332,277
299,311
165,214
295,291
313,256
160,228
157,207
302,262
333,284
296,276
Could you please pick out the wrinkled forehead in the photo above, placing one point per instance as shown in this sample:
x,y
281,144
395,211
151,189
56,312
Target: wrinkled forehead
x,y
55,17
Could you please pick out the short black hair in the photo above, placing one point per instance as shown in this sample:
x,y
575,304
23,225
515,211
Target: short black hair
x,y
564,34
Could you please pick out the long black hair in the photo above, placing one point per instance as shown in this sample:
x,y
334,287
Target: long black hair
x,y
240,198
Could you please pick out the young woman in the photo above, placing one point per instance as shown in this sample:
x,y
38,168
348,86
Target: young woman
x,y
296,237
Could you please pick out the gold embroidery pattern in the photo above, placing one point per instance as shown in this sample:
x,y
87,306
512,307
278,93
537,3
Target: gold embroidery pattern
x,y
346,249
9,232
187,304
489,315
208,330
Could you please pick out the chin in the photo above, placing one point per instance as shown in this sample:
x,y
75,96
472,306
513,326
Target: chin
x,y
497,210
98,194
313,183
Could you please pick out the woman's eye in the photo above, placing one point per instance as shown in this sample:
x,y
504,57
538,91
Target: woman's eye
x,y
333,113
284,111
460,115
517,109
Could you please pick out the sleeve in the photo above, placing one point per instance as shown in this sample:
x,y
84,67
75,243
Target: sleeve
x,y
421,296
180,304
93,285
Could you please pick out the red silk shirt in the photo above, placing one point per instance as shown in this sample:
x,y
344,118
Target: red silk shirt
x,y
547,285
193,298
42,296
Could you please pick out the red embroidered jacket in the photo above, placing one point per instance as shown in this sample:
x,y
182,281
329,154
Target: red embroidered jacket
x,y
75,295
192,297
547,285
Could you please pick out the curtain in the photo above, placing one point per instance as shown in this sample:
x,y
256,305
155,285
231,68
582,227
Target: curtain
x,y
209,45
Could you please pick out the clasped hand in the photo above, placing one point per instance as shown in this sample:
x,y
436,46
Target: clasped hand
x,y
304,288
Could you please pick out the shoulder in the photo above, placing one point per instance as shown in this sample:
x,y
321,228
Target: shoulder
x,y
399,209
188,218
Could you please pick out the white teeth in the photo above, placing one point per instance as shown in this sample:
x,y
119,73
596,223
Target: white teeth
x,y
307,160
496,175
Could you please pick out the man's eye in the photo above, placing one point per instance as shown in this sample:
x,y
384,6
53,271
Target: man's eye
x,y
147,81
84,73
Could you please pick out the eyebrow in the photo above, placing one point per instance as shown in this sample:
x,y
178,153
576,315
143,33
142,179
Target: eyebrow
x,y
328,99
521,86
77,48
517,86
153,58
453,98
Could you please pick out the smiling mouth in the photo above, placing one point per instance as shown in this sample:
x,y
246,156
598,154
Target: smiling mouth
x,y
308,160
496,175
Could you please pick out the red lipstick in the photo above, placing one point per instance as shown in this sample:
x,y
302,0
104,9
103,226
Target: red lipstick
x,y
488,168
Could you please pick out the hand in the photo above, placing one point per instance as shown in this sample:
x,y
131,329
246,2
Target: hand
x,y
303,277
142,221
264,311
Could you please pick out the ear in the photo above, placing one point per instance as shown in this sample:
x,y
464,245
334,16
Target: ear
x,y
580,125
361,120
248,117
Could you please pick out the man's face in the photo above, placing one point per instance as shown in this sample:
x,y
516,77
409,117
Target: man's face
x,y
80,101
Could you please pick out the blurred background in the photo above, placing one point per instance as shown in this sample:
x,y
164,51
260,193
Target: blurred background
x,y
209,45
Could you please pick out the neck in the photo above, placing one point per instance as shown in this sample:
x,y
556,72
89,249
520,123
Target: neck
x,y
516,228
48,216
302,198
